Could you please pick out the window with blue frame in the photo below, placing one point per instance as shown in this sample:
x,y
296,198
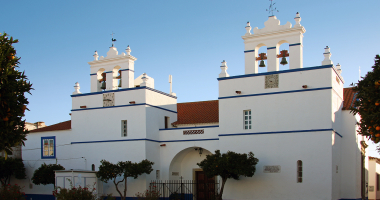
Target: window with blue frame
x,y
48,147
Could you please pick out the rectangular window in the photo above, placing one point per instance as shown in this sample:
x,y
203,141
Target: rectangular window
x,y
247,119
48,147
123,128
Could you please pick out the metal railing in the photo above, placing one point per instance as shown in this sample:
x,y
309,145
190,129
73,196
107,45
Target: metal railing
x,y
184,189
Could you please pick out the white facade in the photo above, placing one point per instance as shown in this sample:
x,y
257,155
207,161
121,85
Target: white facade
x,y
295,115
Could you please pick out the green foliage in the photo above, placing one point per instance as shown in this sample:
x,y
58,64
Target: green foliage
x,y
109,171
45,174
9,167
229,165
367,103
11,192
75,193
13,85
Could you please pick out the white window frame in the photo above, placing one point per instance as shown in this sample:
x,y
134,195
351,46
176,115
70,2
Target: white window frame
x,y
124,128
247,119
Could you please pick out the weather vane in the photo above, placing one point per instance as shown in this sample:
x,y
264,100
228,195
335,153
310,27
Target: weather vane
x,y
113,40
272,8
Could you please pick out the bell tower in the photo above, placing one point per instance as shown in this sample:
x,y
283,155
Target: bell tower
x,y
113,71
272,36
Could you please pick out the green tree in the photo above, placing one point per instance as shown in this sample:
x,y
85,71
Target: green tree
x,y
367,103
45,174
228,165
13,85
9,167
109,171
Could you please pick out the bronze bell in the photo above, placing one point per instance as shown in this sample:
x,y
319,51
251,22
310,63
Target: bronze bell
x,y
103,87
284,61
262,64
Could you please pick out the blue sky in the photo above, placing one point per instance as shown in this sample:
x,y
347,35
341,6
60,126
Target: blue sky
x,y
187,39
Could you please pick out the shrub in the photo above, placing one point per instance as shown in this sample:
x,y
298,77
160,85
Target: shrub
x,y
13,192
151,194
75,193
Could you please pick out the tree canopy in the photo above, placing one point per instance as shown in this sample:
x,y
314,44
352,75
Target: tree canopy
x,y
367,103
45,174
13,85
9,167
109,171
229,165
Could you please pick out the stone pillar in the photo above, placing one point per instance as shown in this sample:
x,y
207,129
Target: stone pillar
x,y
296,55
94,83
272,61
251,66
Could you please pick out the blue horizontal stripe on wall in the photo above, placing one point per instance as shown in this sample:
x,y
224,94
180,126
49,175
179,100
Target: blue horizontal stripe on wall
x,y
271,93
143,139
269,48
93,74
139,104
276,72
126,70
295,44
39,197
108,72
164,129
247,51
277,132
124,89
338,134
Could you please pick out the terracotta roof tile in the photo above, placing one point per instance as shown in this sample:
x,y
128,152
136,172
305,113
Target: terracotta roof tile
x,y
348,98
55,127
197,112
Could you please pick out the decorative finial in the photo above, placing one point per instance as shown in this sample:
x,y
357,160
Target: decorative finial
x,y
327,55
297,19
113,40
272,8
248,28
145,80
224,68
128,50
96,56
77,87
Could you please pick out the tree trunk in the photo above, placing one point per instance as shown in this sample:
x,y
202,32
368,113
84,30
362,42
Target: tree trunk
x,y
116,184
125,189
222,188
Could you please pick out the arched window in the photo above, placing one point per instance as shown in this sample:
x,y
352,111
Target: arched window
x,y
299,171
93,167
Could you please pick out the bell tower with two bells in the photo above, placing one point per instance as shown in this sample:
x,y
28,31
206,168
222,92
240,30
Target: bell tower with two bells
x,y
113,71
272,36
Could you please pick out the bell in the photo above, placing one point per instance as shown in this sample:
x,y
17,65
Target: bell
x,y
262,64
283,61
103,87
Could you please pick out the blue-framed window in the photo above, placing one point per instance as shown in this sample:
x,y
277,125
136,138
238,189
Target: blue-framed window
x,y
48,147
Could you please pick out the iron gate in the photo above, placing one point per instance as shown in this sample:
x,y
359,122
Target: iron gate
x,y
184,189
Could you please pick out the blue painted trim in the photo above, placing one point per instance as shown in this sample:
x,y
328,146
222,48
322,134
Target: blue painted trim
x,y
271,93
93,74
139,104
338,134
42,148
295,44
277,72
124,89
269,48
108,72
277,132
143,139
353,199
247,51
165,129
126,70
39,196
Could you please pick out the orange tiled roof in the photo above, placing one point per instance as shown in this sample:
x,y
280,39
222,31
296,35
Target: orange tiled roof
x,y
348,98
55,127
197,112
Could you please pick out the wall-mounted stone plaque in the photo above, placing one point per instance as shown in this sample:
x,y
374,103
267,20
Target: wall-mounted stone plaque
x,y
175,173
272,169
371,188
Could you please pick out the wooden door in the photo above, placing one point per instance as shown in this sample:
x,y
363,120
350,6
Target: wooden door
x,y
205,186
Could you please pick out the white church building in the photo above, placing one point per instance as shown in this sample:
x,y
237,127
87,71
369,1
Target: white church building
x,y
296,121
